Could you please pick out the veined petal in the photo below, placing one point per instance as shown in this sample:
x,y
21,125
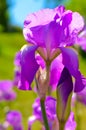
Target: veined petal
x,y
70,61
29,67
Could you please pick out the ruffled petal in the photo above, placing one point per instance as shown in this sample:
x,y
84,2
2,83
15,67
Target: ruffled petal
x,y
29,67
77,23
43,27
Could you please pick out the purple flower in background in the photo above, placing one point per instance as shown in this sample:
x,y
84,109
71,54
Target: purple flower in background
x,y
50,105
14,119
6,90
81,40
81,96
48,32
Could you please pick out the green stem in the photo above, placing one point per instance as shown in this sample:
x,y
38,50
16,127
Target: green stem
x,y
44,114
61,125
78,116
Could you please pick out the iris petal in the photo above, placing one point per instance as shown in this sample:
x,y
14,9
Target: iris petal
x,y
70,61
29,67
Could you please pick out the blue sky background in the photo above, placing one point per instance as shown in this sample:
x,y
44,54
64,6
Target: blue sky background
x,y
21,8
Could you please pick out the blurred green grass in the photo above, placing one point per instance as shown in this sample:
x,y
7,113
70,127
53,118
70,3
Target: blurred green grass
x,y
10,43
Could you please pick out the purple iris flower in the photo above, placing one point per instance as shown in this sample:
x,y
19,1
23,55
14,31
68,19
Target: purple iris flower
x,y
48,32
50,105
6,90
14,119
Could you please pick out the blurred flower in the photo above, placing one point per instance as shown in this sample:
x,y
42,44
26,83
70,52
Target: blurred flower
x,y
49,31
81,40
80,96
50,105
6,90
14,119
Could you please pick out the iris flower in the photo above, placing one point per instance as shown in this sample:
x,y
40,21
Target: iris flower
x,y
14,119
50,104
6,90
50,32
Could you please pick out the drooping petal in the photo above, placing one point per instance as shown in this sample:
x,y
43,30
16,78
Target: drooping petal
x,y
64,90
43,27
29,67
70,61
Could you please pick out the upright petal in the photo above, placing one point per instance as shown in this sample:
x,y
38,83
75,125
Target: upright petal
x,y
34,25
46,27
70,61
29,67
